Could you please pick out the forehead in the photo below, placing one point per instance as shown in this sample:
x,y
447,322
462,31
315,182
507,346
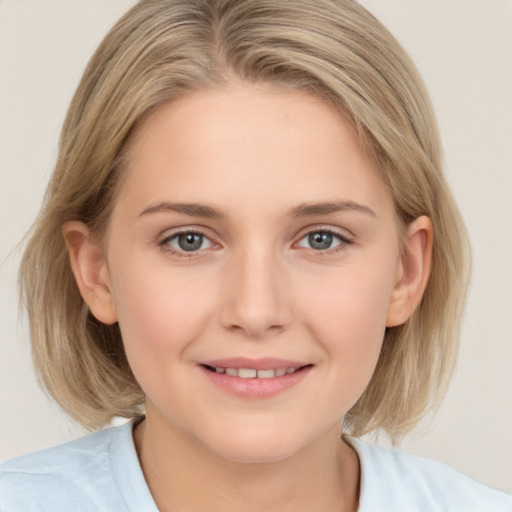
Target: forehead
x,y
257,141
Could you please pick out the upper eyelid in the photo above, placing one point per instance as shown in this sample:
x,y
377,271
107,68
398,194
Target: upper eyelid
x,y
172,232
341,232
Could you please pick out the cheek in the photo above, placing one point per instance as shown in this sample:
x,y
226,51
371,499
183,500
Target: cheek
x,y
348,320
160,312
351,304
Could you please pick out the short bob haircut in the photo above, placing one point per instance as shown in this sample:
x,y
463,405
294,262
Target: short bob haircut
x,y
161,49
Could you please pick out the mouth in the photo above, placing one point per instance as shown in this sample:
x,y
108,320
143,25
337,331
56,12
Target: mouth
x,y
254,373
255,379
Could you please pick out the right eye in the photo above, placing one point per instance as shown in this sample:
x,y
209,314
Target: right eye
x,y
187,242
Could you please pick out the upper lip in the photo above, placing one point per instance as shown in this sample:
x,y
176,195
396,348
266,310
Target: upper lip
x,y
267,363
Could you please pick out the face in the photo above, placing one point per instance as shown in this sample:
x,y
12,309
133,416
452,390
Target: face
x,y
252,260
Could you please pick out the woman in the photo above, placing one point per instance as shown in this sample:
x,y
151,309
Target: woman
x,y
253,240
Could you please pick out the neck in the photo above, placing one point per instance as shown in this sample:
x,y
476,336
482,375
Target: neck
x,y
183,475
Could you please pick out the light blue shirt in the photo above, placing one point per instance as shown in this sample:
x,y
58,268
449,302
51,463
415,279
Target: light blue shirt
x,y
101,473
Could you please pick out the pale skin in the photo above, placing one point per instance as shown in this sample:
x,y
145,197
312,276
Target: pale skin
x,y
293,253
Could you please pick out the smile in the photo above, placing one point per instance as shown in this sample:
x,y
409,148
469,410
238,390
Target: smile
x,y
253,373
255,379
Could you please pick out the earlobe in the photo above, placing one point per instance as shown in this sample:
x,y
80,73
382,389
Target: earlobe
x,y
415,269
90,270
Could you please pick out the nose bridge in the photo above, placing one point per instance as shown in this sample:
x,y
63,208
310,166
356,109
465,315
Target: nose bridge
x,y
256,300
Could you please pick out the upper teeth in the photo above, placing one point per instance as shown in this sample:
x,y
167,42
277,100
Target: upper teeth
x,y
251,373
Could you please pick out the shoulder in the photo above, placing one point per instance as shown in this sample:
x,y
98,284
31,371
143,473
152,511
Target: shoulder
x,y
73,476
394,480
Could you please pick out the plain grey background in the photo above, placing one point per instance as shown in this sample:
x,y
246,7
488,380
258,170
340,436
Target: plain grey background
x,y
463,49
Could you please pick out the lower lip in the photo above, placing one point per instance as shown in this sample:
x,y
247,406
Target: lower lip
x,y
256,388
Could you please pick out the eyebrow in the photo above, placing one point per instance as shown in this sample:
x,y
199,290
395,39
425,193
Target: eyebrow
x,y
302,210
311,209
190,209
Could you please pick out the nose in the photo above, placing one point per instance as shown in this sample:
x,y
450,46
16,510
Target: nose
x,y
255,295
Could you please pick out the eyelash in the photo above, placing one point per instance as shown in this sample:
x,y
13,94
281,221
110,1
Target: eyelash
x,y
343,242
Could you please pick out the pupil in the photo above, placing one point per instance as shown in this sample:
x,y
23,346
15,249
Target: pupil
x,y
320,240
190,242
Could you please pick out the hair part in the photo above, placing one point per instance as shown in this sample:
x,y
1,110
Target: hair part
x,y
162,49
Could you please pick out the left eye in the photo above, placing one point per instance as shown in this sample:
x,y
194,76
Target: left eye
x,y
321,240
189,242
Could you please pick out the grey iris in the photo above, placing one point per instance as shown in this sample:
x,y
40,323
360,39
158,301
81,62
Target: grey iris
x,y
320,240
190,241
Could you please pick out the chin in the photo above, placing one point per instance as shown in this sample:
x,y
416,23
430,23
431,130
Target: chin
x,y
257,448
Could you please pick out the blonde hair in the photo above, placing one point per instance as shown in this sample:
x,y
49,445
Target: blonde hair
x,y
161,49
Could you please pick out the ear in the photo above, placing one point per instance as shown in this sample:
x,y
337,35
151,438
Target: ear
x,y
413,272
90,270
